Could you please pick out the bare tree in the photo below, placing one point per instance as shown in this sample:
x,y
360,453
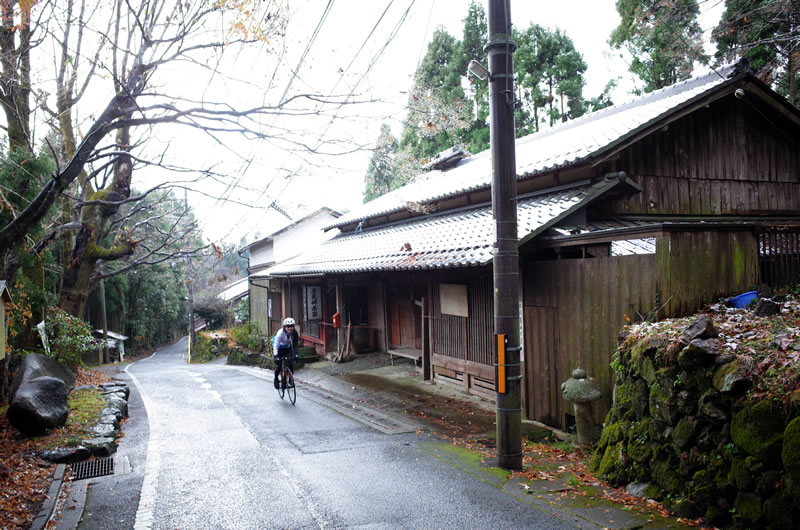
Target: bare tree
x,y
138,43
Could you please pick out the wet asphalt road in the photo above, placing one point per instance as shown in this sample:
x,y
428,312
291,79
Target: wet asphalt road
x,y
210,446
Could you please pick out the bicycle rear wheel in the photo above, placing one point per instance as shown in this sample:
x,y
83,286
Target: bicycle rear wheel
x,y
290,388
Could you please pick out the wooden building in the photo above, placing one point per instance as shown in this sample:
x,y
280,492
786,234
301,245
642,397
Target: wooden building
x,y
265,295
647,209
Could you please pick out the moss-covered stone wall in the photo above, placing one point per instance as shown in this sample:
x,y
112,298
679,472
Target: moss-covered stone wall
x,y
686,421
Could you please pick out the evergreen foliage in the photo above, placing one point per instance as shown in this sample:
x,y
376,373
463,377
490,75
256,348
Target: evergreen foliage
x,y
663,38
550,78
68,337
767,34
381,173
448,107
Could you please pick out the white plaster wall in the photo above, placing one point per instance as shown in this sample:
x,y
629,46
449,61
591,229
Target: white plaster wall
x,y
303,236
262,253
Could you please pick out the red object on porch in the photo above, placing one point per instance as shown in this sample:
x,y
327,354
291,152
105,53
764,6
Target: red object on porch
x,y
335,318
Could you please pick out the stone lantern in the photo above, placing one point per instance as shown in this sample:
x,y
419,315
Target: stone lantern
x,y
582,391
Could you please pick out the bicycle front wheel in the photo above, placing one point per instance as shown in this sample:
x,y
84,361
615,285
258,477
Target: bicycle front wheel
x,y
290,388
281,384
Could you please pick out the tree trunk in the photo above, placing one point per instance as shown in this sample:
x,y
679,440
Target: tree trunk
x,y
15,76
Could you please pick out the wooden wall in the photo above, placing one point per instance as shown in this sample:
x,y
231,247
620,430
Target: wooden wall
x,y
575,308
573,312
726,159
698,268
462,350
779,256
258,295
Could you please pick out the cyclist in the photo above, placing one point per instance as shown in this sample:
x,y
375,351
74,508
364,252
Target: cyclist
x,y
285,345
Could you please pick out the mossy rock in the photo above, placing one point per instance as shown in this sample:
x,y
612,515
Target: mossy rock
x,y
640,451
731,377
758,429
659,430
781,511
647,370
715,515
611,468
739,475
597,458
718,467
653,491
662,404
749,507
791,447
714,407
700,353
767,482
667,377
639,446
632,395
236,357
687,403
684,432
649,346
701,488
686,508
612,434
665,474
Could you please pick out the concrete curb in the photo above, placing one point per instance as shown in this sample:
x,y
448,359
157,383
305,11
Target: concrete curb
x,y
49,505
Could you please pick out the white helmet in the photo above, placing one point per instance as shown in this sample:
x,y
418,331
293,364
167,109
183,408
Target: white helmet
x,y
288,322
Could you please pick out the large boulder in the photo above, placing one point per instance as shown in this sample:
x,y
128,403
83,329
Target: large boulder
x,y
34,365
38,405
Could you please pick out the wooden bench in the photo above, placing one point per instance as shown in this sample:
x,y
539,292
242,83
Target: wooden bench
x,y
408,353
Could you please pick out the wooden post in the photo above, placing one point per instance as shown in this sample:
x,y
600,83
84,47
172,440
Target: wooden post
x,y
340,310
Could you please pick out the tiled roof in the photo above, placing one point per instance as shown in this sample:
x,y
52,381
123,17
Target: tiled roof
x,y
235,290
455,238
563,145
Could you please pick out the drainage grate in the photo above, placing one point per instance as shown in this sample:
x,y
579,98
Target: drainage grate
x,y
93,468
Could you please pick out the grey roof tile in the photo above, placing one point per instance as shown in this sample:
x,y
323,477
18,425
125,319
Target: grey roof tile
x,y
565,144
449,239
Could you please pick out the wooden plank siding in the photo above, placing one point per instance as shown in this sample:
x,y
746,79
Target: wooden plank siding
x,y
707,265
723,160
573,312
462,349
258,296
779,256
575,308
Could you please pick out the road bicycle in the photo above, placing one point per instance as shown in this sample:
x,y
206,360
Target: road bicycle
x,y
286,379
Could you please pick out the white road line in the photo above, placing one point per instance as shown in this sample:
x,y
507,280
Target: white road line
x,y
147,497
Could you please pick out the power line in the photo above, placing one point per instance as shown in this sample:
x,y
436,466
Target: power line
x,y
369,68
249,160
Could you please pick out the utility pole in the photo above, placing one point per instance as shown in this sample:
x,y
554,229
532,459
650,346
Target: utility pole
x,y
189,282
500,49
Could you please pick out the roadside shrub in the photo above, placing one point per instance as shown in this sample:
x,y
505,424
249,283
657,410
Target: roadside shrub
x,y
68,337
249,337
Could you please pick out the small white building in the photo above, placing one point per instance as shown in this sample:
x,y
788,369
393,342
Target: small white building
x,y
115,342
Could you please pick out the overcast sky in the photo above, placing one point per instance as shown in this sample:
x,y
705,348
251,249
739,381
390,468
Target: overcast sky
x,y
345,59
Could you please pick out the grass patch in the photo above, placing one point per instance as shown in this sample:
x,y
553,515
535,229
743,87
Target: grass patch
x,y
469,461
84,410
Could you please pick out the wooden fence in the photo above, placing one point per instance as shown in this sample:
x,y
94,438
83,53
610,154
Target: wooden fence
x,y
779,256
